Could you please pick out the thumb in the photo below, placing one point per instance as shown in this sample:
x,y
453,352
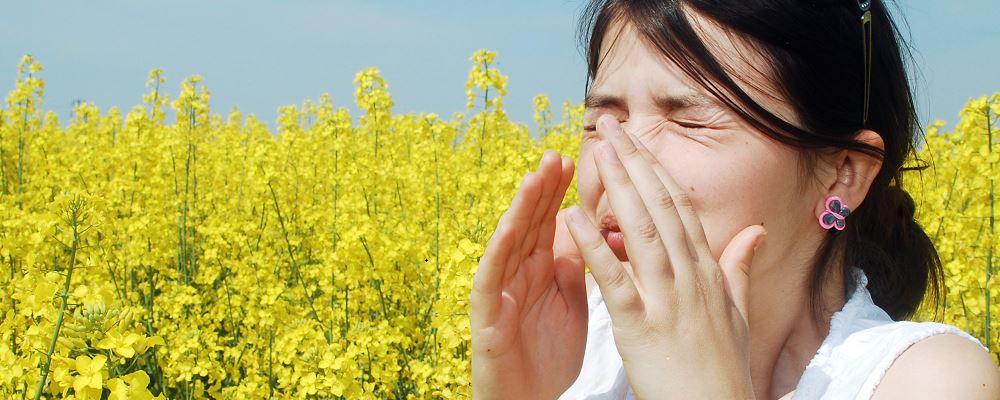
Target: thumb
x,y
735,263
568,265
563,244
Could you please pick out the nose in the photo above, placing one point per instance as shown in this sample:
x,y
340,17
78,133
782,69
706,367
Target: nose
x,y
610,121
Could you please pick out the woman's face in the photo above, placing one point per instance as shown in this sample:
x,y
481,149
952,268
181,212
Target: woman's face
x,y
734,175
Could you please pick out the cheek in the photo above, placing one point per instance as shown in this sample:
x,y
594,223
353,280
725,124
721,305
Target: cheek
x,y
725,206
733,192
589,187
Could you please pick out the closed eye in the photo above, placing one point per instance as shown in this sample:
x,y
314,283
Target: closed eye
x,y
683,124
689,125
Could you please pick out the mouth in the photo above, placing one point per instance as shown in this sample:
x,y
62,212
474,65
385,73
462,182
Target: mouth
x,y
615,241
610,223
613,236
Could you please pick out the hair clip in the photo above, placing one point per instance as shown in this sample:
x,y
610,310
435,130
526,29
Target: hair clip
x,y
866,32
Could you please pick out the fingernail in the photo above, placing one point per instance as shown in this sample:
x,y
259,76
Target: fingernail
x,y
524,180
758,240
611,126
610,153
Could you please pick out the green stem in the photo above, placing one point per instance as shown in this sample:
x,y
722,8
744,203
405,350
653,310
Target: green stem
x,y
989,251
270,363
13,306
229,305
20,152
3,170
295,266
114,277
486,102
75,208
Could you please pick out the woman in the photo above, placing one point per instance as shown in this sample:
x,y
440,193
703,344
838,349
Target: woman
x,y
709,125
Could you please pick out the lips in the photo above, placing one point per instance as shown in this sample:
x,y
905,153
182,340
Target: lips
x,y
613,236
610,223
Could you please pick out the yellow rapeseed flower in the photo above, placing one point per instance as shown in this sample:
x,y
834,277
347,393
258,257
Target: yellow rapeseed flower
x,y
329,258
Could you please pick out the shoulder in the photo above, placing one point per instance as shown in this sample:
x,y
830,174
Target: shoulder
x,y
941,366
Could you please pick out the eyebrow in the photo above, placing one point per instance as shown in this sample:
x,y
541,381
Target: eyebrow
x,y
663,102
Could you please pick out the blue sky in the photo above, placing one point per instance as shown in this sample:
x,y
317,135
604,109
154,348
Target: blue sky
x,y
261,55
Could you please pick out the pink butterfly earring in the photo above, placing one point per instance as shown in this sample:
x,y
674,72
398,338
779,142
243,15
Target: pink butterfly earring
x,y
835,214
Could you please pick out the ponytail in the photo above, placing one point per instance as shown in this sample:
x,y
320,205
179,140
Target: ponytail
x,y
885,241
896,254
883,238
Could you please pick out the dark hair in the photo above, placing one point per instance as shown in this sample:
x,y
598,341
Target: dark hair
x,y
815,49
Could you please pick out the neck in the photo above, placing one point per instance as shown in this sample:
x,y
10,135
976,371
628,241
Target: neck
x,y
784,334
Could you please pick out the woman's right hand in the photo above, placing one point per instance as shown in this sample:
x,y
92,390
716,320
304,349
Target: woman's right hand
x,y
529,305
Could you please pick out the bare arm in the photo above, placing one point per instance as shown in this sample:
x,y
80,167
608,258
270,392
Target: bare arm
x,y
942,366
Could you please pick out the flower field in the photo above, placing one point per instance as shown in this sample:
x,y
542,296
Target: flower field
x,y
209,257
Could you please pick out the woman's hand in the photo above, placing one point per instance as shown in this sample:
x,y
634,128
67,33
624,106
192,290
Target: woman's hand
x,y
529,306
679,318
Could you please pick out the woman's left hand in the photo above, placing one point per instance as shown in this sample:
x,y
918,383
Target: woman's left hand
x,y
679,318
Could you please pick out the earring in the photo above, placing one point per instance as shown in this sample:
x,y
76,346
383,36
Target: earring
x,y
834,217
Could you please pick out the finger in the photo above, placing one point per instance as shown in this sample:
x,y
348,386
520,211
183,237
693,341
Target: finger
x,y
658,200
565,246
567,263
696,237
548,229
569,268
646,252
487,280
549,172
735,263
619,291
517,217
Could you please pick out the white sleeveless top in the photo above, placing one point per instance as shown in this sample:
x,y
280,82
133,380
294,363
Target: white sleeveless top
x,y
862,343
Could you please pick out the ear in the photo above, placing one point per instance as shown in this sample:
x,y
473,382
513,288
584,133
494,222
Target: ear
x,y
855,172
